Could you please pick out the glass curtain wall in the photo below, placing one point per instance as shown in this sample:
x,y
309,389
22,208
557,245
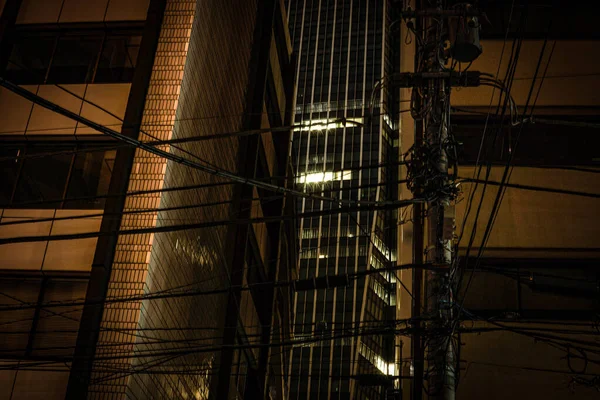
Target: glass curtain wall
x,y
343,151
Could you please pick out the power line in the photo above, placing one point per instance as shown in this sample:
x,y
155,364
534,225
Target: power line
x,y
88,101
507,85
119,214
178,352
204,370
189,139
533,188
543,337
164,154
341,325
534,120
148,342
552,330
582,75
108,196
137,211
525,368
392,205
515,52
326,281
165,291
206,186
477,174
174,189
363,323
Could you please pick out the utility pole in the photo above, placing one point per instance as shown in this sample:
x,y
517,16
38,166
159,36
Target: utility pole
x,y
438,300
440,34
440,354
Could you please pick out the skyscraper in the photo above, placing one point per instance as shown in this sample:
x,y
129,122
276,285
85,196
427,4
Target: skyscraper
x,y
345,131
110,241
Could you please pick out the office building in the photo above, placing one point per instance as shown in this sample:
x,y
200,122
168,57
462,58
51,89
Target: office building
x,y
343,49
87,312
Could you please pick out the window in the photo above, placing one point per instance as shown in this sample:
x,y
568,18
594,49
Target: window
x,y
325,124
38,331
118,59
74,56
377,361
30,59
319,177
383,293
74,59
55,175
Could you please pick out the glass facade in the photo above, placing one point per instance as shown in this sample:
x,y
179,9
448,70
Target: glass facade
x,y
340,151
93,54
49,175
83,307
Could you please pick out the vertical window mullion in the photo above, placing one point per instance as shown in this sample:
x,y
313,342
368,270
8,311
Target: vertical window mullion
x,y
56,39
127,47
18,176
36,316
98,55
68,179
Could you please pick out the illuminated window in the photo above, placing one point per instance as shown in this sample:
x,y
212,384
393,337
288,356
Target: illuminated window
x,y
324,124
308,253
383,249
376,263
382,293
389,123
333,105
318,177
377,361
310,233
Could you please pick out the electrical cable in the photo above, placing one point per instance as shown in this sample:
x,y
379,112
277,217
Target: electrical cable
x,y
328,279
165,291
471,195
336,325
549,370
125,212
502,184
509,73
27,204
210,224
485,128
188,187
194,371
194,350
161,153
533,188
148,345
547,338
534,120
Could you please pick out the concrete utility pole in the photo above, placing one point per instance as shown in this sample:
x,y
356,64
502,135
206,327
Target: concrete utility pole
x,y
438,301
438,298
440,34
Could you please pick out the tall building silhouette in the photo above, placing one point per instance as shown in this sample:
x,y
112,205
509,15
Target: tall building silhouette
x,y
343,50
